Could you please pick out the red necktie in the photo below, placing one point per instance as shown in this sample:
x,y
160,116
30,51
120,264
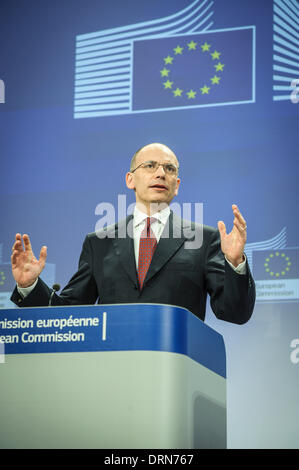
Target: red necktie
x,y
147,248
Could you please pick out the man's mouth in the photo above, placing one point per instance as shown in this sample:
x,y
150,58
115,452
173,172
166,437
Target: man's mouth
x,y
159,187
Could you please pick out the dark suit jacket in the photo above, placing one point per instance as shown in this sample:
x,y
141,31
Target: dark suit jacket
x,y
177,275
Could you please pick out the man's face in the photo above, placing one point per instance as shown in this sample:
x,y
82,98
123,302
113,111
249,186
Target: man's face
x,y
159,186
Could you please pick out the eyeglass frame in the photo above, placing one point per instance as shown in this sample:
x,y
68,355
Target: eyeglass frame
x,y
159,164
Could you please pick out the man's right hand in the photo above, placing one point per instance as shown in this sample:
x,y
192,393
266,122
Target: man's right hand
x,y
25,267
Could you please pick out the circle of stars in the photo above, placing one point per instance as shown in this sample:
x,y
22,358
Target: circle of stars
x,y
269,261
191,94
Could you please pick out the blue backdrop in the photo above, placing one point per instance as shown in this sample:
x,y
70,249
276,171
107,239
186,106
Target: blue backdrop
x,y
84,84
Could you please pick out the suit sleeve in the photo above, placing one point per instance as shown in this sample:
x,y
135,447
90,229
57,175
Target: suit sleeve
x,y
81,289
232,294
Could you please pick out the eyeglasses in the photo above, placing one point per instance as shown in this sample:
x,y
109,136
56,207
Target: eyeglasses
x,y
152,166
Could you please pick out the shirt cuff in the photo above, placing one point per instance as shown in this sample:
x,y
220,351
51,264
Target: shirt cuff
x,y
241,268
24,291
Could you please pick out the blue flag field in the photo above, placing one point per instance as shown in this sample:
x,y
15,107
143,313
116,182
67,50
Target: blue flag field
x,y
205,69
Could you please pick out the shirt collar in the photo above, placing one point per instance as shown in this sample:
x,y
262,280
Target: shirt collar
x,y
161,216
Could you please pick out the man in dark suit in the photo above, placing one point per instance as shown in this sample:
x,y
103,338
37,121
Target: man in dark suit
x,y
150,257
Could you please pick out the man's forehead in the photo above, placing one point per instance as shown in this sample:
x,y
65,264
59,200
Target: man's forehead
x,y
156,152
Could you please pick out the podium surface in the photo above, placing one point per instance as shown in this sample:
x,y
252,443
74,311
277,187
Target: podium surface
x,y
111,376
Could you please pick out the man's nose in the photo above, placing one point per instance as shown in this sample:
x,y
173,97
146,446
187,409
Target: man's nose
x,y
160,171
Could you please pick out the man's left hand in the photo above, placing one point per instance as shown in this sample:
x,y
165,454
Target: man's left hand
x,y
233,243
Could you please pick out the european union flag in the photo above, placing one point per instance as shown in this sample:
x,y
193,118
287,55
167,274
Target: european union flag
x,y
276,264
193,70
7,282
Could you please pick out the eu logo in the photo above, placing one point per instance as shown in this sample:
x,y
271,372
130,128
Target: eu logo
x,y
205,69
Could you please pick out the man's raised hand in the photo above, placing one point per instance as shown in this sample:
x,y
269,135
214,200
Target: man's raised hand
x,y
25,267
233,243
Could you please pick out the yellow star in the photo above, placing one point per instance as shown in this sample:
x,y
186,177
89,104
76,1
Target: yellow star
x,y
219,67
167,84
192,45
205,90
215,80
191,94
178,50
215,55
177,92
168,60
164,72
205,47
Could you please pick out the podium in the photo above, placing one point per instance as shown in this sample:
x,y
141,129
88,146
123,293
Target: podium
x,y
124,376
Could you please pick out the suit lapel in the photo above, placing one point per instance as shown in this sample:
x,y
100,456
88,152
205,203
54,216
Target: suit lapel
x,y
124,247
171,240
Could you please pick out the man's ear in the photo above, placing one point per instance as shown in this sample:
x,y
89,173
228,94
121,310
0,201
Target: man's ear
x,y
177,186
130,180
